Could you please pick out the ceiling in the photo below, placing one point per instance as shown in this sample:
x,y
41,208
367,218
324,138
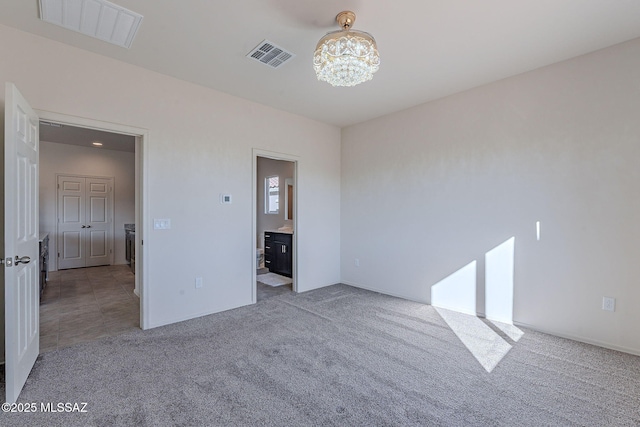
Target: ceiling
x,y
429,48
86,137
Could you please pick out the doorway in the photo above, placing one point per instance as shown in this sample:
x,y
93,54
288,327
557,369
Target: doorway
x,y
137,205
89,293
21,231
274,224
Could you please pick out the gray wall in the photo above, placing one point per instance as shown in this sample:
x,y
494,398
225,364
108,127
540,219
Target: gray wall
x,y
432,189
199,145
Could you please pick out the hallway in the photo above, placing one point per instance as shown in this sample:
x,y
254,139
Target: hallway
x,y
87,304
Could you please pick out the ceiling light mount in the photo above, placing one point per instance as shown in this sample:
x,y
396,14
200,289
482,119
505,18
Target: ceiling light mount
x,y
346,57
346,19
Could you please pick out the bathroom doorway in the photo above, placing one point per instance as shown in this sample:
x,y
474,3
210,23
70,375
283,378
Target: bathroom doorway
x,y
274,225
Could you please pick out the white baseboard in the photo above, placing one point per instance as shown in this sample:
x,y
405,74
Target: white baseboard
x,y
300,291
585,340
179,319
393,294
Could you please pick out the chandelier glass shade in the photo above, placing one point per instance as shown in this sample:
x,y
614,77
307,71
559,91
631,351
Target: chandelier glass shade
x,y
346,57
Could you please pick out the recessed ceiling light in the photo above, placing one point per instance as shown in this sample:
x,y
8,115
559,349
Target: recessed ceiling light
x,y
97,144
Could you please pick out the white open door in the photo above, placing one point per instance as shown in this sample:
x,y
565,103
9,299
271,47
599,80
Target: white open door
x,y
21,272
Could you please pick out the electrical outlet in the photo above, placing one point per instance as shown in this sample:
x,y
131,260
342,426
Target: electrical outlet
x,y
357,262
608,304
198,282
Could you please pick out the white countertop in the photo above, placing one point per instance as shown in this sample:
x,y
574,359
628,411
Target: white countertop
x,y
279,231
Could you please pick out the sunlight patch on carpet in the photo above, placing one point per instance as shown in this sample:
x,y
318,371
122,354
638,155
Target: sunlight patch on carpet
x,y
483,342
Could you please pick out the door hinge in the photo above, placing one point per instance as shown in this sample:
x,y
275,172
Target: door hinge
x,y
58,254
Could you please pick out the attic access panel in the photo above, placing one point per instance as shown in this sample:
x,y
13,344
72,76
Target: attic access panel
x,y
95,18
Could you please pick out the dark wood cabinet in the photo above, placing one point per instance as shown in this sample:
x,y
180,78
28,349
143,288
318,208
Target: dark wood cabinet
x,y
44,260
278,253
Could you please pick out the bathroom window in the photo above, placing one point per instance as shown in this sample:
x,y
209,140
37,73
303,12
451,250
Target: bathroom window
x,y
271,195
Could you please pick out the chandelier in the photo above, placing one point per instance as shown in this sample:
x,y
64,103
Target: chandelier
x,y
346,57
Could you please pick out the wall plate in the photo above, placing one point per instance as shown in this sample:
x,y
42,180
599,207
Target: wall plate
x,y
608,304
161,224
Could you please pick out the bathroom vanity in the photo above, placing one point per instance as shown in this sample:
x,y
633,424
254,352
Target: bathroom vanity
x,y
278,252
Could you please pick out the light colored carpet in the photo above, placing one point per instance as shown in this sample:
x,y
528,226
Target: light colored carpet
x,y
272,279
336,356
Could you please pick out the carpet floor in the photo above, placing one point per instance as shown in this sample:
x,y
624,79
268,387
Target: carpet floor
x,y
266,291
336,356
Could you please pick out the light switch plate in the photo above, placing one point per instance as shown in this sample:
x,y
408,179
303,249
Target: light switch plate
x,y
161,224
225,199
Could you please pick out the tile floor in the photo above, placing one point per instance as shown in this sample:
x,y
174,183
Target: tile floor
x,y
86,304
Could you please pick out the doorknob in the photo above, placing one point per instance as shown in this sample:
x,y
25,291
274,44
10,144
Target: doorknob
x,y
88,226
22,260
84,226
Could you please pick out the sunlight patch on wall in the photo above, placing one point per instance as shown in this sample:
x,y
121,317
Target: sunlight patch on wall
x,y
454,298
499,282
457,291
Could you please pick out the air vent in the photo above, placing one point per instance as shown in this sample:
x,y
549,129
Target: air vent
x,y
95,18
270,54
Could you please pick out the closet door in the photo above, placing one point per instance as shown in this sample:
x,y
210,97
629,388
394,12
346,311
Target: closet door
x,y
85,221
71,217
98,221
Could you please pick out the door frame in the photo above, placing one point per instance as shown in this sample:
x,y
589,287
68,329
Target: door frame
x,y
141,194
256,152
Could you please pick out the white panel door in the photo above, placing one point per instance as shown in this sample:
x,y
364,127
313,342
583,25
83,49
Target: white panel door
x,y
21,272
98,221
85,221
71,222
